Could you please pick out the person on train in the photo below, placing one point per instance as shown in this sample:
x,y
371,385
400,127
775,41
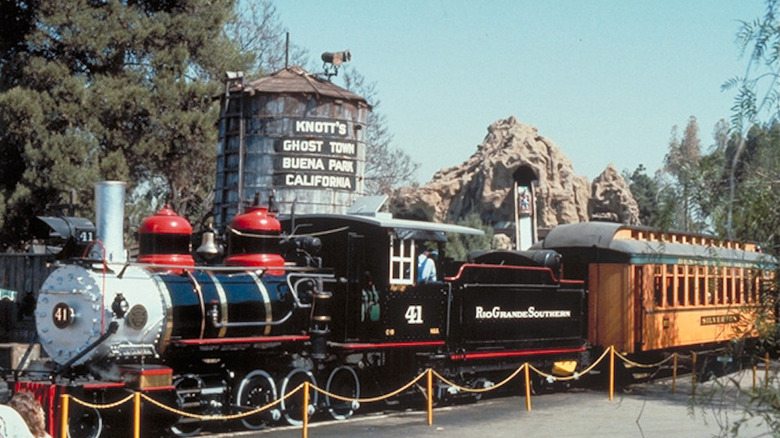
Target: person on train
x,y
426,265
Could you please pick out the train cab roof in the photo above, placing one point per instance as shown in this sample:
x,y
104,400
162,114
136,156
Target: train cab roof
x,y
648,245
403,228
365,214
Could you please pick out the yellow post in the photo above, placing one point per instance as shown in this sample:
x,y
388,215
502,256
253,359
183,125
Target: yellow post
x,y
527,389
306,409
754,378
693,373
430,397
611,373
64,424
674,373
766,372
137,415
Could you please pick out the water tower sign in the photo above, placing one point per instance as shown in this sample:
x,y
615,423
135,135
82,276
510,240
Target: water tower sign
x,y
317,155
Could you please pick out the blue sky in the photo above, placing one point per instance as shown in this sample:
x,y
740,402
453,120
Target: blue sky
x,y
606,80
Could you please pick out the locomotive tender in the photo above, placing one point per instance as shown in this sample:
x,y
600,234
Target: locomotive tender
x,y
332,299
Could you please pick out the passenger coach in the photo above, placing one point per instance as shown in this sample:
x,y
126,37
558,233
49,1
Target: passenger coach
x,y
652,290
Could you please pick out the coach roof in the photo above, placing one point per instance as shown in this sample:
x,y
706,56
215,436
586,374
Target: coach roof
x,y
606,236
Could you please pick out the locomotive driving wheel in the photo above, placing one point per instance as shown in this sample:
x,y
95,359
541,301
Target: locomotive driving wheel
x,y
343,381
84,422
188,388
255,390
292,406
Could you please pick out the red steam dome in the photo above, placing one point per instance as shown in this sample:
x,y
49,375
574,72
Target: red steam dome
x,y
253,239
164,239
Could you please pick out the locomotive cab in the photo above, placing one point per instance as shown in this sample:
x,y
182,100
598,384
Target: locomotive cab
x,y
379,297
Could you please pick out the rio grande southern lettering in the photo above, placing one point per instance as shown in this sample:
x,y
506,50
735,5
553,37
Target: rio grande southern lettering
x,y
497,313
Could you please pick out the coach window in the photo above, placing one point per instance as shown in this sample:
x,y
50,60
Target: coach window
x,y
401,261
669,285
712,284
658,285
750,285
691,280
681,285
701,280
719,285
766,280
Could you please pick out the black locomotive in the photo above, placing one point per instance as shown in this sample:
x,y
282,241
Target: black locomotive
x,y
330,299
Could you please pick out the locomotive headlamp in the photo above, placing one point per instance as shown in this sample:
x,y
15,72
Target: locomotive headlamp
x,y
120,305
68,235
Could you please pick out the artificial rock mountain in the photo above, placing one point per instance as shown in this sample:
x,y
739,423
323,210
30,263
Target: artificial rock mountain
x,y
484,184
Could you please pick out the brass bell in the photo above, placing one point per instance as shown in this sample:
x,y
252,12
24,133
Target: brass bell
x,y
208,249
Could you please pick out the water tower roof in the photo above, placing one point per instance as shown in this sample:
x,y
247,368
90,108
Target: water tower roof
x,y
297,80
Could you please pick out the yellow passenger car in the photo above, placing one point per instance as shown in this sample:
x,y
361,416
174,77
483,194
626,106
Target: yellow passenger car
x,y
655,290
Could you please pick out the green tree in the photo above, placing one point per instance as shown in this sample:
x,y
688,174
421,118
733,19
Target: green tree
x,y
109,90
460,245
257,29
644,188
757,96
681,176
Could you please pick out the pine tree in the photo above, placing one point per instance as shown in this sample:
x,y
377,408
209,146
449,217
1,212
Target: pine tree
x,y
109,90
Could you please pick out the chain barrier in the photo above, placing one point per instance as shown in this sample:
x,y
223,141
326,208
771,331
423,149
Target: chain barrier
x,y
103,406
372,399
222,417
479,390
639,365
526,366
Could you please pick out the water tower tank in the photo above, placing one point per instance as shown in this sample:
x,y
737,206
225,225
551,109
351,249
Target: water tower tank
x,y
292,133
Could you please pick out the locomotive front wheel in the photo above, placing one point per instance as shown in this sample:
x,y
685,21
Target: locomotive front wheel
x,y
343,381
84,423
255,390
188,388
292,406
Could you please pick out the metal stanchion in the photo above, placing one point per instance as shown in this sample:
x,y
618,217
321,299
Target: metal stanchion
x,y
305,409
611,373
430,397
674,373
766,372
754,378
64,424
693,374
137,415
527,388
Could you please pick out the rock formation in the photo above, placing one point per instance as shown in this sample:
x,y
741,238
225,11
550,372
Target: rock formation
x,y
611,199
484,184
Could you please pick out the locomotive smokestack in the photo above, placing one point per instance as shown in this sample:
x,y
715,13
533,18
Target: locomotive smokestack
x,y
109,216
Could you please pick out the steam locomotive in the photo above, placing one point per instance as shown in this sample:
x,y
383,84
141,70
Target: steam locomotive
x,y
330,299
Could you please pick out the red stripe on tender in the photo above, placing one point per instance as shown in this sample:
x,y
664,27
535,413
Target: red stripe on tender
x,y
252,339
389,345
102,385
496,354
